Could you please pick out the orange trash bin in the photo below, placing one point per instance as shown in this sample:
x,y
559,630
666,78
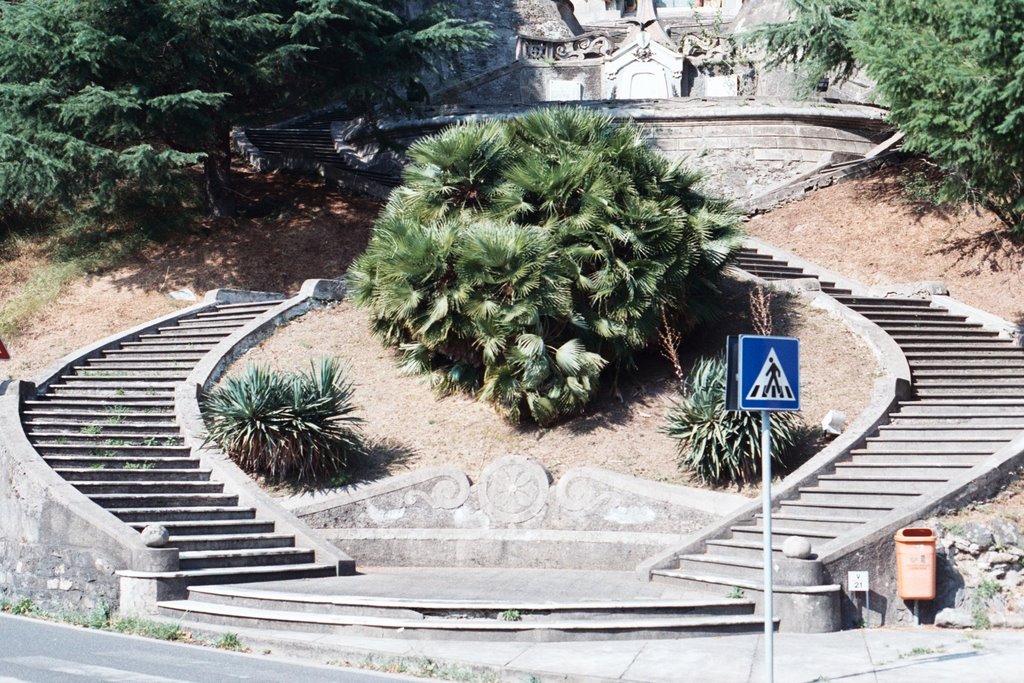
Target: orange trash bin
x,y
915,563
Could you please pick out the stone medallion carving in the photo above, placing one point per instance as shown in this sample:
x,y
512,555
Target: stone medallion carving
x,y
450,490
513,489
578,493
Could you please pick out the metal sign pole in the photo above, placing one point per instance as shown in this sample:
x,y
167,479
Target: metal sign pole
x,y
766,511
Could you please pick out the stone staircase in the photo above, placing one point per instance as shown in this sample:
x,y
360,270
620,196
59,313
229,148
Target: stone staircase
x,y
526,605
108,426
967,402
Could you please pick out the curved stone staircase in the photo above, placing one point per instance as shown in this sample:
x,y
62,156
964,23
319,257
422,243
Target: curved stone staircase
x,y
107,425
966,405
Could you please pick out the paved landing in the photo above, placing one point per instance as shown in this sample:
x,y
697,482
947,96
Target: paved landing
x,y
445,583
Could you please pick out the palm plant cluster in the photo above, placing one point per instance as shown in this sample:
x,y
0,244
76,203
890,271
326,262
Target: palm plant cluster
x,y
522,257
287,427
719,446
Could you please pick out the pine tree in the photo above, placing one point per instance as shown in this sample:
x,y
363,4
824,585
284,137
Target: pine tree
x,y
951,73
100,97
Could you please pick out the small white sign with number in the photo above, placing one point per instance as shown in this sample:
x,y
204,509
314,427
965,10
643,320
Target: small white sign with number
x,y
857,582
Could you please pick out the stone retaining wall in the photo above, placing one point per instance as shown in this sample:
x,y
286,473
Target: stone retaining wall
x,y
513,515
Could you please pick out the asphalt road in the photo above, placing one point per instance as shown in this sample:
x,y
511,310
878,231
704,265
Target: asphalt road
x,y
41,652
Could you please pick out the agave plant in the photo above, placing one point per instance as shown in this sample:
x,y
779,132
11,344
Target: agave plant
x,y
287,427
522,257
719,446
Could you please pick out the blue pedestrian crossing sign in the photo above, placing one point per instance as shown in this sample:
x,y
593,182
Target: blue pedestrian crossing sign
x,y
765,373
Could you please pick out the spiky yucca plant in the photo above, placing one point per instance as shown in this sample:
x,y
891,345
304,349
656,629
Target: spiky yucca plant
x,y
521,257
287,427
719,446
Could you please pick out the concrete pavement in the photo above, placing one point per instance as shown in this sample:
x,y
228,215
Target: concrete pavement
x,y
910,655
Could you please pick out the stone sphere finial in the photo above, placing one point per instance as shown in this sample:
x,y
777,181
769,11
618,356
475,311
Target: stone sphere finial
x,y
797,547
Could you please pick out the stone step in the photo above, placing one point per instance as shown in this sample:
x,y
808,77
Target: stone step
x,y
180,335
239,315
264,557
879,307
128,365
109,438
194,543
991,409
967,382
233,575
917,447
1004,373
1008,391
900,316
967,364
49,427
255,597
229,325
140,486
192,356
139,374
834,291
780,532
711,584
776,272
211,544
111,405
114,395
963,332
262,305
936,432
114,463
465,629
722,565
864,508
834,525
113,451
745,549
818,495
963,346
164,500
901,484
932,353
211,527
109,384
960,422
164,345
864,458
78,416
869,302
145,472
899,470
194,514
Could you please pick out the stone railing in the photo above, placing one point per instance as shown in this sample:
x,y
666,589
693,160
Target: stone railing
x,y
591,45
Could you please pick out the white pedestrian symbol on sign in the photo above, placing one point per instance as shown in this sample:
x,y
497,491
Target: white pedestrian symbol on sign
x,y
771,382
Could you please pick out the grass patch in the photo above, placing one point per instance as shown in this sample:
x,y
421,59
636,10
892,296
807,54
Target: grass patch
x,y
41,290
230,641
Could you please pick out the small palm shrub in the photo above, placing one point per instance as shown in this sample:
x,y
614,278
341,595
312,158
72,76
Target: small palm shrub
x,y
286,427
522,257
718,446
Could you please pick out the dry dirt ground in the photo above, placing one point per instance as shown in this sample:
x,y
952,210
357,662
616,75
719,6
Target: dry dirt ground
x,y
410,427
302,232
870,231
864,229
